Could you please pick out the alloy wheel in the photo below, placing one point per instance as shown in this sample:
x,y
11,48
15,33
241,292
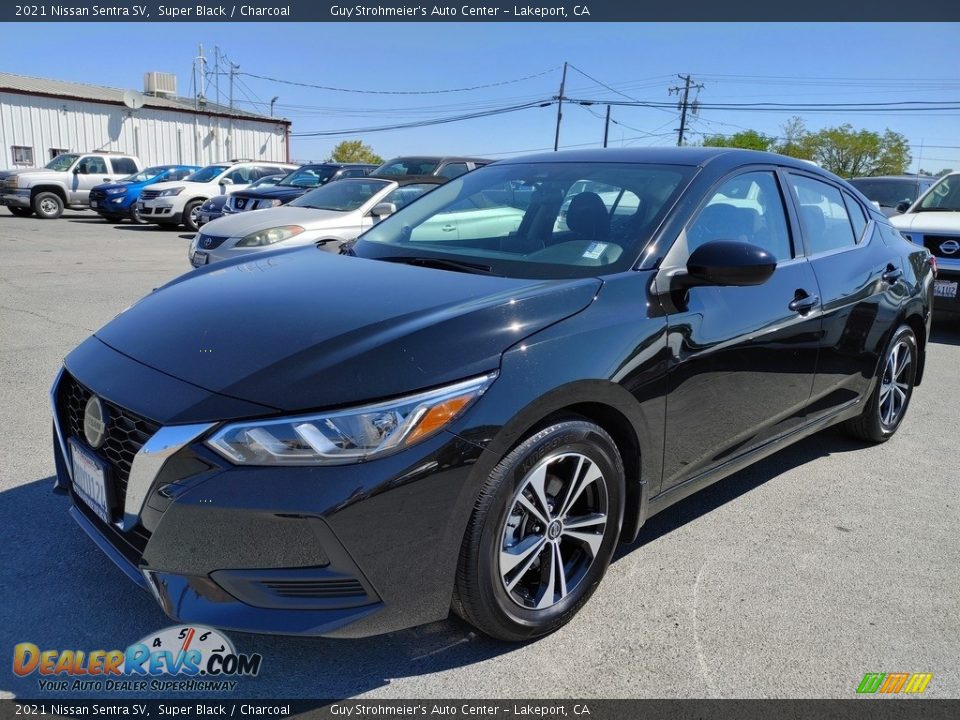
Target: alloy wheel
x,y
49,206
895,384
553,531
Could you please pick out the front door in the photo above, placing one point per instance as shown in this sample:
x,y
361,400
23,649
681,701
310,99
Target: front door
x,y
742,359
91,170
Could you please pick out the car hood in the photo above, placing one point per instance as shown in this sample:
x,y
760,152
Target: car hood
x,y
240,224
302,329
928,221
119,183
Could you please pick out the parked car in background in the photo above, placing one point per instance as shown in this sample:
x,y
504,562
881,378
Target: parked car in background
x,y
440,165
65,182
118,200
328,215
933,221
301,180
349,444
215,207
893,193
178,202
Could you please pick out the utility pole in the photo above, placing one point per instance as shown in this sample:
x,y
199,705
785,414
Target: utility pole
x,y
216,71
684,103
563,82
606,128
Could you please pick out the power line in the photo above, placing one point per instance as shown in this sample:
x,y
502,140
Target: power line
x,y
401,92
425,123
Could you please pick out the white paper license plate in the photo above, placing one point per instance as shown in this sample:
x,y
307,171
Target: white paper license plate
x,y
200,258
93,203
90,480
945,289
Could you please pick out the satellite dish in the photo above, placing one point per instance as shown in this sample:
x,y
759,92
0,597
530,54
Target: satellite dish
x,y
132,99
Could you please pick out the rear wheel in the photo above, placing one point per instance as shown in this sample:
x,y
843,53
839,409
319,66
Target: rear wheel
x,y
21,212
894,387
542,532
47,205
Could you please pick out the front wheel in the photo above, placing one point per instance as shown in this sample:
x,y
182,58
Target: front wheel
x,y
542,532
134,215
890,398
191,215
47,205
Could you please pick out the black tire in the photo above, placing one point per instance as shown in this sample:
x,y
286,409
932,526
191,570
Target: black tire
x,y
891,395
112,218
134,215
21,211
481,595
47,205
188,219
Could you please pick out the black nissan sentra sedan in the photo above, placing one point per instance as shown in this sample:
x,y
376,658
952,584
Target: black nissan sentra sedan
x,y
472,404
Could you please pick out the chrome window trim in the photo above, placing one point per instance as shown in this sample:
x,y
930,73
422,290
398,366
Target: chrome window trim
x,y
56,425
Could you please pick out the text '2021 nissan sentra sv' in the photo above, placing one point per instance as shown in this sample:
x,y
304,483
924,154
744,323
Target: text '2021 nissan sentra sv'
x,y
474,402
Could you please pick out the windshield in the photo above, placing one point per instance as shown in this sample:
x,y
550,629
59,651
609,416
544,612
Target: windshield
x,y
553,220
62,162
942,197
148,174
342,196
407,166
209,173
308,177
266,181
888,193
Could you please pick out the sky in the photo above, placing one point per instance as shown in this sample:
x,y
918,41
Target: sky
x,y
785,63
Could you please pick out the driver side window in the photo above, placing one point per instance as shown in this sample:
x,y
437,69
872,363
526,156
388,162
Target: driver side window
x,y
747,208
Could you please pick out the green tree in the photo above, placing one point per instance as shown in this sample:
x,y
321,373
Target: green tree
x,y
747,139
854,153
795,140
355,151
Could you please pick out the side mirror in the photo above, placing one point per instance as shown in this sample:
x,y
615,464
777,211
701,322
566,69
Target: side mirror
x,y
728,262
383,209
78,170
226,181
903,206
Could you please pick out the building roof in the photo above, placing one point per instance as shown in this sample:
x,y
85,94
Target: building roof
x,y
43,87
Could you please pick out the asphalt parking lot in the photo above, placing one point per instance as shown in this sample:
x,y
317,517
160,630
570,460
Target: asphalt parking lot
x,y
792,578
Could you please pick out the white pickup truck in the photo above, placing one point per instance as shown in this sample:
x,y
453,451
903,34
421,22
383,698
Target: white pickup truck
x,y
65,182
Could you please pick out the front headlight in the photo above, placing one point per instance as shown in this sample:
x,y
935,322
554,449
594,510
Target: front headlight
x,y
347,436
270,236
172,191
116,191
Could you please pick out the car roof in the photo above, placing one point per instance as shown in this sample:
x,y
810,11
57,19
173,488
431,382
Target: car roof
x,y
666,156
404,179
436,158
917,178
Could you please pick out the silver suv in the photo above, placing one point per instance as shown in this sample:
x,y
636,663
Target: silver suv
x,y
64,182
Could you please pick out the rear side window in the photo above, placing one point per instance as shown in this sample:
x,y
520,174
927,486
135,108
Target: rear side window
x,y
824,218
123,166
179,173
748,208
857,219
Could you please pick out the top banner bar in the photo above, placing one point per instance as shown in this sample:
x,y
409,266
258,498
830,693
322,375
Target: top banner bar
x,y
483,11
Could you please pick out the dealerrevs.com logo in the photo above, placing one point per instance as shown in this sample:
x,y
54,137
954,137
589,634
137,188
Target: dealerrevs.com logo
x,y
181,658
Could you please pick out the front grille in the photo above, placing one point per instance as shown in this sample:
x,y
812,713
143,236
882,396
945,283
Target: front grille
x,y
934,243
209,242
98,195
149,194
126,432
317,589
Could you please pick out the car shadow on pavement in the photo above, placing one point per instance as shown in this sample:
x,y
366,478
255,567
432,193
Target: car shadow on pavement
x,y
58,591
946,330
827,442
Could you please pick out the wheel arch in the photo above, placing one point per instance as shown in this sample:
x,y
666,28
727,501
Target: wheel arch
x,y
916,323
56,189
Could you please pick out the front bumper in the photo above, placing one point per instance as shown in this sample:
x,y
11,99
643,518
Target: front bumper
x,y
159,211
15,198
111,204
342,551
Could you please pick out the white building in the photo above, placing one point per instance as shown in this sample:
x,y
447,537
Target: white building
x,y
41,118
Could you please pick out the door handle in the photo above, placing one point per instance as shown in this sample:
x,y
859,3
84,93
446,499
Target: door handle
x,y
448,228
892,274
804,303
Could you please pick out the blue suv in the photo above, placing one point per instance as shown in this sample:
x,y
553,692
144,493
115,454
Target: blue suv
x,y
117,200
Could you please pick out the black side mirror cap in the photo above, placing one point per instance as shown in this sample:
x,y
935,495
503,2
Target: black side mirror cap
x,y
728,263
903,206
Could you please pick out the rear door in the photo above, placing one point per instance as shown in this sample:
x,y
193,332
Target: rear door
x,y
859,284
742,359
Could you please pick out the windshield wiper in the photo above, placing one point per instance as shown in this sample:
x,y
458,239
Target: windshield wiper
x,y
440,263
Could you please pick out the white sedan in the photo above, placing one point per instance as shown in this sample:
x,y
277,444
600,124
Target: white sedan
x,y
329,215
